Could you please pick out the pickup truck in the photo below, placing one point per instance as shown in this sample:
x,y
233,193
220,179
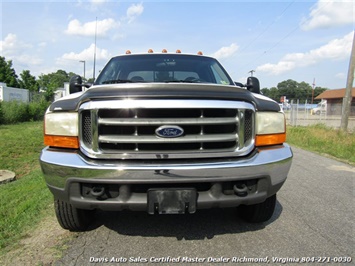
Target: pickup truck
x,y
165,133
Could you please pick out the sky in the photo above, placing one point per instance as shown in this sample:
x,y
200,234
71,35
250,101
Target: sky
x,y
302,40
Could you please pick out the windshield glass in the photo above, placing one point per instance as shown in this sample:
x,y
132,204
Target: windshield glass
x,y
163,68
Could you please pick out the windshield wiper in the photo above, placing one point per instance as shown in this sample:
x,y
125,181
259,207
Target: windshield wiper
x,y
114,81
182,81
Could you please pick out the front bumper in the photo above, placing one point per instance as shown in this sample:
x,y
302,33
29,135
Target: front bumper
x,y
70,175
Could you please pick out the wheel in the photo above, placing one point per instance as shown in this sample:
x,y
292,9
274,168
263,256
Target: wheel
x,y
71,218
258,213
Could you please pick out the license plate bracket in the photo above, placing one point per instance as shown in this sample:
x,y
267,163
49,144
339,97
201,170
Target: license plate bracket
x,y
172,200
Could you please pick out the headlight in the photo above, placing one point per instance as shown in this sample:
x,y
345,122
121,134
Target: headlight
x,y
61,130
269,123
270,128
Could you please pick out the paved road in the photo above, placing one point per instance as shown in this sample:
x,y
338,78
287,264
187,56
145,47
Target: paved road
x,y
314,218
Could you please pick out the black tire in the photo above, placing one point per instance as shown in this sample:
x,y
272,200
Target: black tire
x,y
258,213
71,218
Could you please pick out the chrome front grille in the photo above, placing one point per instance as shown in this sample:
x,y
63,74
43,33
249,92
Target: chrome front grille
x,y
127,128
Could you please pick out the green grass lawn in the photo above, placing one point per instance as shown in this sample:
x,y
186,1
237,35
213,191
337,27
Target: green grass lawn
x,y
324,140
20,146
23,202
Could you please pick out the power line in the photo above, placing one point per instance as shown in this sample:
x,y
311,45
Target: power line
x,y
266,29
289,33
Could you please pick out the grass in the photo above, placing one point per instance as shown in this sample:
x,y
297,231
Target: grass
x,y
324,140
23,202
20,146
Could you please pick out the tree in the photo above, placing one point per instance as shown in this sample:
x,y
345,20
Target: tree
x,y
272,93
304,92
7,73
28,81
52,81
288,88
265,91
90,80
301,91
46,86
293,90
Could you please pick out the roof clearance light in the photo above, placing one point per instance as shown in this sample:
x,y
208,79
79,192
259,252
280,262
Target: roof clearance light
x,y
178,51
199,53
150,51
128,52
164,51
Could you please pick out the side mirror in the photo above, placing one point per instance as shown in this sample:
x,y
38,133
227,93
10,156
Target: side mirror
x,y
253,85
75,84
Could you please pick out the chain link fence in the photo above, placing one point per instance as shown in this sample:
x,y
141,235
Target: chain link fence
x,y
301,115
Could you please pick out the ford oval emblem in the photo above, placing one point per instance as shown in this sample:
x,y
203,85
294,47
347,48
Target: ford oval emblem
x,y
169,131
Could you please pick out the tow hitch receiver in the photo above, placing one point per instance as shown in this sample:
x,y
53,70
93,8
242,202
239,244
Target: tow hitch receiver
x,y
172,201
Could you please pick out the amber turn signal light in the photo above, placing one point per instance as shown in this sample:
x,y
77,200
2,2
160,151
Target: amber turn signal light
x,y
61,141
270,139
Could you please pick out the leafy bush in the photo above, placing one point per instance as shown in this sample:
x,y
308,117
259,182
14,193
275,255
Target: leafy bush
x,y
15,112
0,113
36,110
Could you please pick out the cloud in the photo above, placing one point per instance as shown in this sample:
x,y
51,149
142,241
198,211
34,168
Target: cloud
x,y
86,54
11,44
336,49
102,28
91,5
42,44
16,50
75,27
134,11
329,13
340,76
226,51
98,2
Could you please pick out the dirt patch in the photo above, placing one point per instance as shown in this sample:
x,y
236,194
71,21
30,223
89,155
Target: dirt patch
x,y
43,246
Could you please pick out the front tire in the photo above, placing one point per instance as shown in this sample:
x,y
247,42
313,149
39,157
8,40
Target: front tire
x,y
258,213
71,218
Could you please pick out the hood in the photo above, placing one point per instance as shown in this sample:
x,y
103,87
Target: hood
x,y
164,91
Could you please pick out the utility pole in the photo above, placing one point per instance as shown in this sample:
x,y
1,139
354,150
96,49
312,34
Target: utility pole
x,y
349,86
251,72
83,61
314,84
93,75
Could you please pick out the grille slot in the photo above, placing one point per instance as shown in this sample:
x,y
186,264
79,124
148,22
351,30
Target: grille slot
x,y
209,131
86,128
248,125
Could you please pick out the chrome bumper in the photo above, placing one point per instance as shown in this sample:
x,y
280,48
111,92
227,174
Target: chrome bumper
x,y
65,171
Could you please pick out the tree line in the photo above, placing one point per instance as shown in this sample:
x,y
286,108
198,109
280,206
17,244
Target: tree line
x,y
48,83
293,90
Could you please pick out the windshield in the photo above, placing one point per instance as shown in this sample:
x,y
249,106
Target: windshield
x,y
163,68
